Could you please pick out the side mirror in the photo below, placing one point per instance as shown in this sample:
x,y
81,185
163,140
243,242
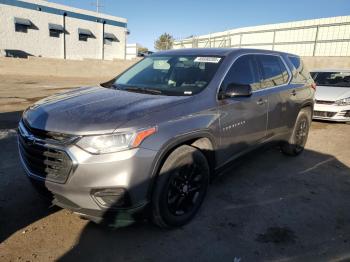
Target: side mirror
x,y
238,90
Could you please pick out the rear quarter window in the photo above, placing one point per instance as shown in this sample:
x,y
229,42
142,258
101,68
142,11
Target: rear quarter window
x,y
300,73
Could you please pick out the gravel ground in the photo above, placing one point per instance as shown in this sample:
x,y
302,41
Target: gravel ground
x,y
266,207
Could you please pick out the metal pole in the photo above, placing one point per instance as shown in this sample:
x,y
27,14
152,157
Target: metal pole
x,y
97,5
64,36
273,41
103,40
315,43
125,48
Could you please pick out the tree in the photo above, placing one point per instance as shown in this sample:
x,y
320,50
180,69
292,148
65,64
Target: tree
x,y
143,49
164,42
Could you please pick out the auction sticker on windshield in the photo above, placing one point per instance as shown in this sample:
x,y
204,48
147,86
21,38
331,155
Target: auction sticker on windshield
x,y
208,59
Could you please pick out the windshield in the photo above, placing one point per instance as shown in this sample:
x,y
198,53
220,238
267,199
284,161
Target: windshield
x,y
341,79
169,75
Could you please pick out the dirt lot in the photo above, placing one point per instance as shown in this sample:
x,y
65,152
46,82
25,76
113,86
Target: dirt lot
x,y
17,93
267,207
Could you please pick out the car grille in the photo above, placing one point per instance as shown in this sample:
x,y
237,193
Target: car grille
x,y
324,102
324,114
42,160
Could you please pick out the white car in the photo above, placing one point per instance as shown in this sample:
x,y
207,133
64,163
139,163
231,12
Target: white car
x,y
332,94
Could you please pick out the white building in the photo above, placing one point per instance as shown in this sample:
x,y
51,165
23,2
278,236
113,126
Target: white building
x,y
132,51
40,28
317,37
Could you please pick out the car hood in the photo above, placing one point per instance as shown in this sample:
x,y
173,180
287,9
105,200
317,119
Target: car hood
x,y
331,93
94,110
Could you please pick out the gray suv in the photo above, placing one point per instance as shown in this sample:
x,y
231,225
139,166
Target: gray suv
x,y
147,143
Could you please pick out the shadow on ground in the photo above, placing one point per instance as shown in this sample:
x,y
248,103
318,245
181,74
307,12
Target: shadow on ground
x,y
267,207
20,205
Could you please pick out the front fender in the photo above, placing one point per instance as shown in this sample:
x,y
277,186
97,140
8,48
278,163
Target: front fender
x,y
172,134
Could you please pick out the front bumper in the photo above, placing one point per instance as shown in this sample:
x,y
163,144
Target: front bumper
x,y
129,170
332,112
109,217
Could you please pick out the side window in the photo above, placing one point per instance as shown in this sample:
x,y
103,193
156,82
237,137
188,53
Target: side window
x,y
243,72
300,73
274,72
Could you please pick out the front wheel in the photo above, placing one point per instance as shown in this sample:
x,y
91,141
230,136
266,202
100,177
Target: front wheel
x,y
180,188
298,139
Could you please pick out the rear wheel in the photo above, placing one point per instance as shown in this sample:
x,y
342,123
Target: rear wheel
x,y
181,187
298,139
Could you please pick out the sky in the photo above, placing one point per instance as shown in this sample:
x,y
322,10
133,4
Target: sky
x,y
148,19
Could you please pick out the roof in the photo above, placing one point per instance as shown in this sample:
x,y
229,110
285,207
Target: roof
x,y
214,51
198,51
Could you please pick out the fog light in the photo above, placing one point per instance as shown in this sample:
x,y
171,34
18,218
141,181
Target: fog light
x,y
110,197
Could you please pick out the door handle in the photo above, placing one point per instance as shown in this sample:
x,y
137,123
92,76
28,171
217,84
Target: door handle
x,y
293,93
260,102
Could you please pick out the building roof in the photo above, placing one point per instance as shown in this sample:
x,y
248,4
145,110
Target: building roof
x,y
58,9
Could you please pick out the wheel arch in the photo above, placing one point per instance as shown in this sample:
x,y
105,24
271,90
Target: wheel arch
x,y
204,141
309,104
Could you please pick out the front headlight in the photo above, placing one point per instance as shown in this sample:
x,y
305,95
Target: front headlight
x,y
343,102
102,144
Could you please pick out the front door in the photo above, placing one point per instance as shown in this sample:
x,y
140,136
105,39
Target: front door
x,y
243,120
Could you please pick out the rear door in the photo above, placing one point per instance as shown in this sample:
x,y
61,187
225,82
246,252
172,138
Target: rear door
x,y
274,84
301,80
243,120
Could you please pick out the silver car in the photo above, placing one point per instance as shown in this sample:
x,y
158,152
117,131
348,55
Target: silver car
x,y
332,95
147,143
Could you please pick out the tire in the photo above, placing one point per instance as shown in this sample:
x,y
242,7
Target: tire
x,y
180,188
298,139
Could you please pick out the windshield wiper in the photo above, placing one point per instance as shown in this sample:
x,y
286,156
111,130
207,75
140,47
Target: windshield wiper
x,y
115,86
143,90
137,89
